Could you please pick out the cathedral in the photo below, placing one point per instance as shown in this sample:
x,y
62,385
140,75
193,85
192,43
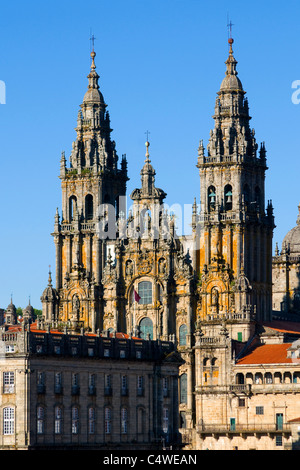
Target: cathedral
x,y
229,307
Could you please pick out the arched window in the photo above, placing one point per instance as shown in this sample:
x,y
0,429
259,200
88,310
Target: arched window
x,y
268,378
145,292
211,198
89,207
72,207
183,388
228,197
124,421
146,328
182,335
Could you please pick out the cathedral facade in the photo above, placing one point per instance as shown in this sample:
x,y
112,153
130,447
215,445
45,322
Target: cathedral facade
x,y
210,293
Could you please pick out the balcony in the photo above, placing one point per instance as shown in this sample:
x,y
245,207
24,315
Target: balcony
x,y
251,428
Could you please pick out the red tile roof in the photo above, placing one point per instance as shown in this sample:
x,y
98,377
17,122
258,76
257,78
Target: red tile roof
x,y
267,354
33,328
284,326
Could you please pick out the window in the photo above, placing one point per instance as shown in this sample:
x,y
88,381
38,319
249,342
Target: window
x,y
124,389
211,198
140,385
56,349
107,385
92,420
246,195
8,382
89,209
258,197
90,352
107,418
182,335
269,378
72,207
75,420
165,385
165,420
124,417
259,410
57,420
279,421
8,421
242,402
40,420
92,384
75,384
146,328
145,292
57,382
183,388
41,382
228,197
278,441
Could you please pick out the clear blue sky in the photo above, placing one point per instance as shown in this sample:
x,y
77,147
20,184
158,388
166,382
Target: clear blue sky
x,y
161,63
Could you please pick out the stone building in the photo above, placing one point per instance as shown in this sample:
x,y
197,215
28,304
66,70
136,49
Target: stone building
x,y
64,391
119,271
286,275
125,277
246,378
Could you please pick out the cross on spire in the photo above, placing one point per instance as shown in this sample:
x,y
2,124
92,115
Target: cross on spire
x,y
147,133
92,39
229,26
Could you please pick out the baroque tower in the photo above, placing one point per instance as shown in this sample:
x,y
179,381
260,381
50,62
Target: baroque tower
x,y
234,259
91,186
235,256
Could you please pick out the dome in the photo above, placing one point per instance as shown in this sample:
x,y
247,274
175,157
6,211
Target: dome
x,y
93,95
231,83
49,294
291,241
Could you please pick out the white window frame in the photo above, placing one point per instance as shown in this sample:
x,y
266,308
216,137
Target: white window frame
x,y
8,382
8,421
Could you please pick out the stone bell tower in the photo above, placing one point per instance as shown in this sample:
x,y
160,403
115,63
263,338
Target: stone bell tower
x,y
92,187
235,252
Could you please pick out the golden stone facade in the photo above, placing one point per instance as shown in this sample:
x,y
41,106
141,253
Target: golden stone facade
x,y
210,292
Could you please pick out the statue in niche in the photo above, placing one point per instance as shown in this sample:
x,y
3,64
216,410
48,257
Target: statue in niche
x,y
162,266
215,301
75,303
129,268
